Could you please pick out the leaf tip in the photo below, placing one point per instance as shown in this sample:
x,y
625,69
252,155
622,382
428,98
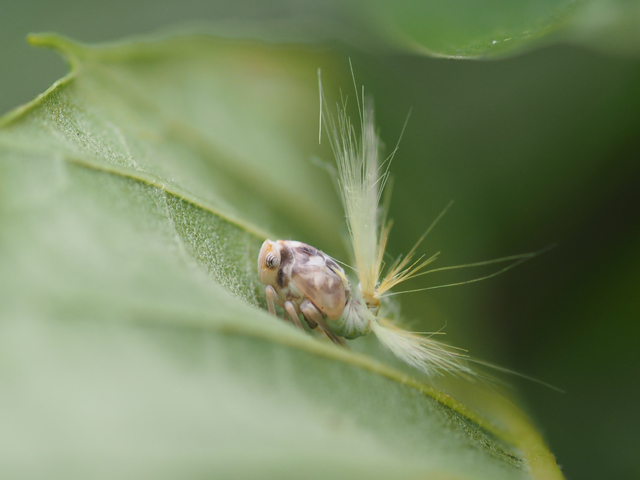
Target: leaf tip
x,y
68,48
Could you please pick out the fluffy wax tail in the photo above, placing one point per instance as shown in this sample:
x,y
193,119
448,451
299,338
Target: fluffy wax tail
x,y
361,179
435,358
424,353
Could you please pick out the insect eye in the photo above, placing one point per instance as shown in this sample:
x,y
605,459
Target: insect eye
x,y
271,260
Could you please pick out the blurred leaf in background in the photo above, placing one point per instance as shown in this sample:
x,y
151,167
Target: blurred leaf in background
x,y
534,149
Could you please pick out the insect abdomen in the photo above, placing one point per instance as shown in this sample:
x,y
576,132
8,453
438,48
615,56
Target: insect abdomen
x,y
355,320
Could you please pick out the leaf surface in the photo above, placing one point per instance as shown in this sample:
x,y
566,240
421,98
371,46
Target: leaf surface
x,y
134,196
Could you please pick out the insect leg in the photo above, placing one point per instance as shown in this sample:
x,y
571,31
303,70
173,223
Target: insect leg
x,y
271,299
312,325
291,310
289,307
310,311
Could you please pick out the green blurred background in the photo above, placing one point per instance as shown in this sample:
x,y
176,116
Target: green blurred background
x,y
538,148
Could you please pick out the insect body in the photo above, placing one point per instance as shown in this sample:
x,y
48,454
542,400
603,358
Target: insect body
x,y
306,282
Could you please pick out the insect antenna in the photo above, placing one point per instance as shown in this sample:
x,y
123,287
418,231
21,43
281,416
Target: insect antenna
x,y
343,264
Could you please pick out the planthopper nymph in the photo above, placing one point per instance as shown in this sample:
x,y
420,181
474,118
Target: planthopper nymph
x,y
312,287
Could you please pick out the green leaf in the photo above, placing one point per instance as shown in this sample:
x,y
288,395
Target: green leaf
x,y
134,196
471,29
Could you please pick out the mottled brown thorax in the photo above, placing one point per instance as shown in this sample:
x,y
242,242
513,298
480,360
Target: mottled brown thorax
x,y
306,272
